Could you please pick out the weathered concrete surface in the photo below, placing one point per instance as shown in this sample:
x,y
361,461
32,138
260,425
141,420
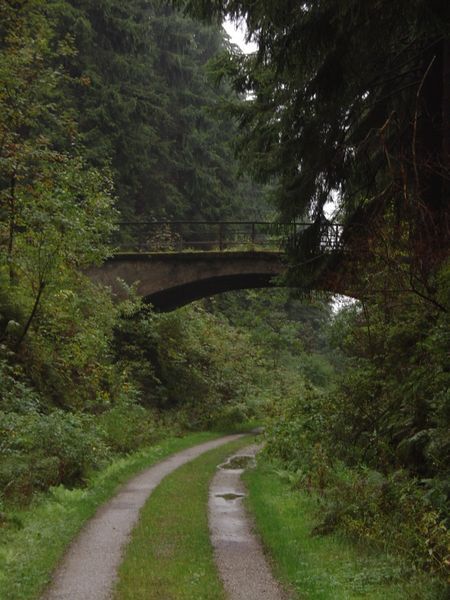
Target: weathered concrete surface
x,y
170,280
239,556
89,568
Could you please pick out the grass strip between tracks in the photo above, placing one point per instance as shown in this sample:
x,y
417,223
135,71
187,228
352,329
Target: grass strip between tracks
x,y
30,551
170,555
327,567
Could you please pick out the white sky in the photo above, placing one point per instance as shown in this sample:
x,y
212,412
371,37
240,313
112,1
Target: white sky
x,y
237,32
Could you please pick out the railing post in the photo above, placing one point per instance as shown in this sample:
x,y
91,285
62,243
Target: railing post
x,y
221,232
253,235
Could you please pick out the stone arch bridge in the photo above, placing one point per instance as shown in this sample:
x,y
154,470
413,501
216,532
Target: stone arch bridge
x,y
174,263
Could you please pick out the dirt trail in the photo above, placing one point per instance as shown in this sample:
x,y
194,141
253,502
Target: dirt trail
x,y
88,570
238,552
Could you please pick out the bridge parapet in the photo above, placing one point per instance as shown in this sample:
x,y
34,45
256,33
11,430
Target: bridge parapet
x,y
179,236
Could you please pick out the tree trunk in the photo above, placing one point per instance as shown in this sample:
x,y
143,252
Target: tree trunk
x,y
12,225
32,314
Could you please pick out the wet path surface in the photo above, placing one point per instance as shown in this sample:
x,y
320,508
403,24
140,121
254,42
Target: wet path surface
x,y
238,552
88,570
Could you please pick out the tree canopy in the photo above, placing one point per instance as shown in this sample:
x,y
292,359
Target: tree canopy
x,y
350,101
148,108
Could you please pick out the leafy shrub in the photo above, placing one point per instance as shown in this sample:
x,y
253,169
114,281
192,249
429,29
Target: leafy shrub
x,y
391,511
295,427
128,426
15,394
317,369
375,450
188,362
39,451
232,415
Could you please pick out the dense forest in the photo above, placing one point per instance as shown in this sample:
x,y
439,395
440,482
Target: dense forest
x,y
107,112
144,110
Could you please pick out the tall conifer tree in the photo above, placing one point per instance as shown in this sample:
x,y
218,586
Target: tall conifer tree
x,y
351,100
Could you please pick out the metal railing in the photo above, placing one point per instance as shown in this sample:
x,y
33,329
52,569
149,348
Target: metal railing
x,y
179,236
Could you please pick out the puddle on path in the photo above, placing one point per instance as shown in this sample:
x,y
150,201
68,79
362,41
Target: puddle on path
x,y
238,462
239,556
230,496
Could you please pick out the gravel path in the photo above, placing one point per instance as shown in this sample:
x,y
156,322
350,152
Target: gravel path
x,y
238,553
89,568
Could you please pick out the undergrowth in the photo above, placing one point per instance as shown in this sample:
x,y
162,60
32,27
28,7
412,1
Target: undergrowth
x,y
326,567
32,540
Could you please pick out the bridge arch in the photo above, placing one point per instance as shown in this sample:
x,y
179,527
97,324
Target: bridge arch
x,y
172,279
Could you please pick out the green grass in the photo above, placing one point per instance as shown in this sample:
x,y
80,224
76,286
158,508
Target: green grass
x,y
170,556
324,567
31,546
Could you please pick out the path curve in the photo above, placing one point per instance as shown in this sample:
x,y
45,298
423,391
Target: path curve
x,y
239,555
89,567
